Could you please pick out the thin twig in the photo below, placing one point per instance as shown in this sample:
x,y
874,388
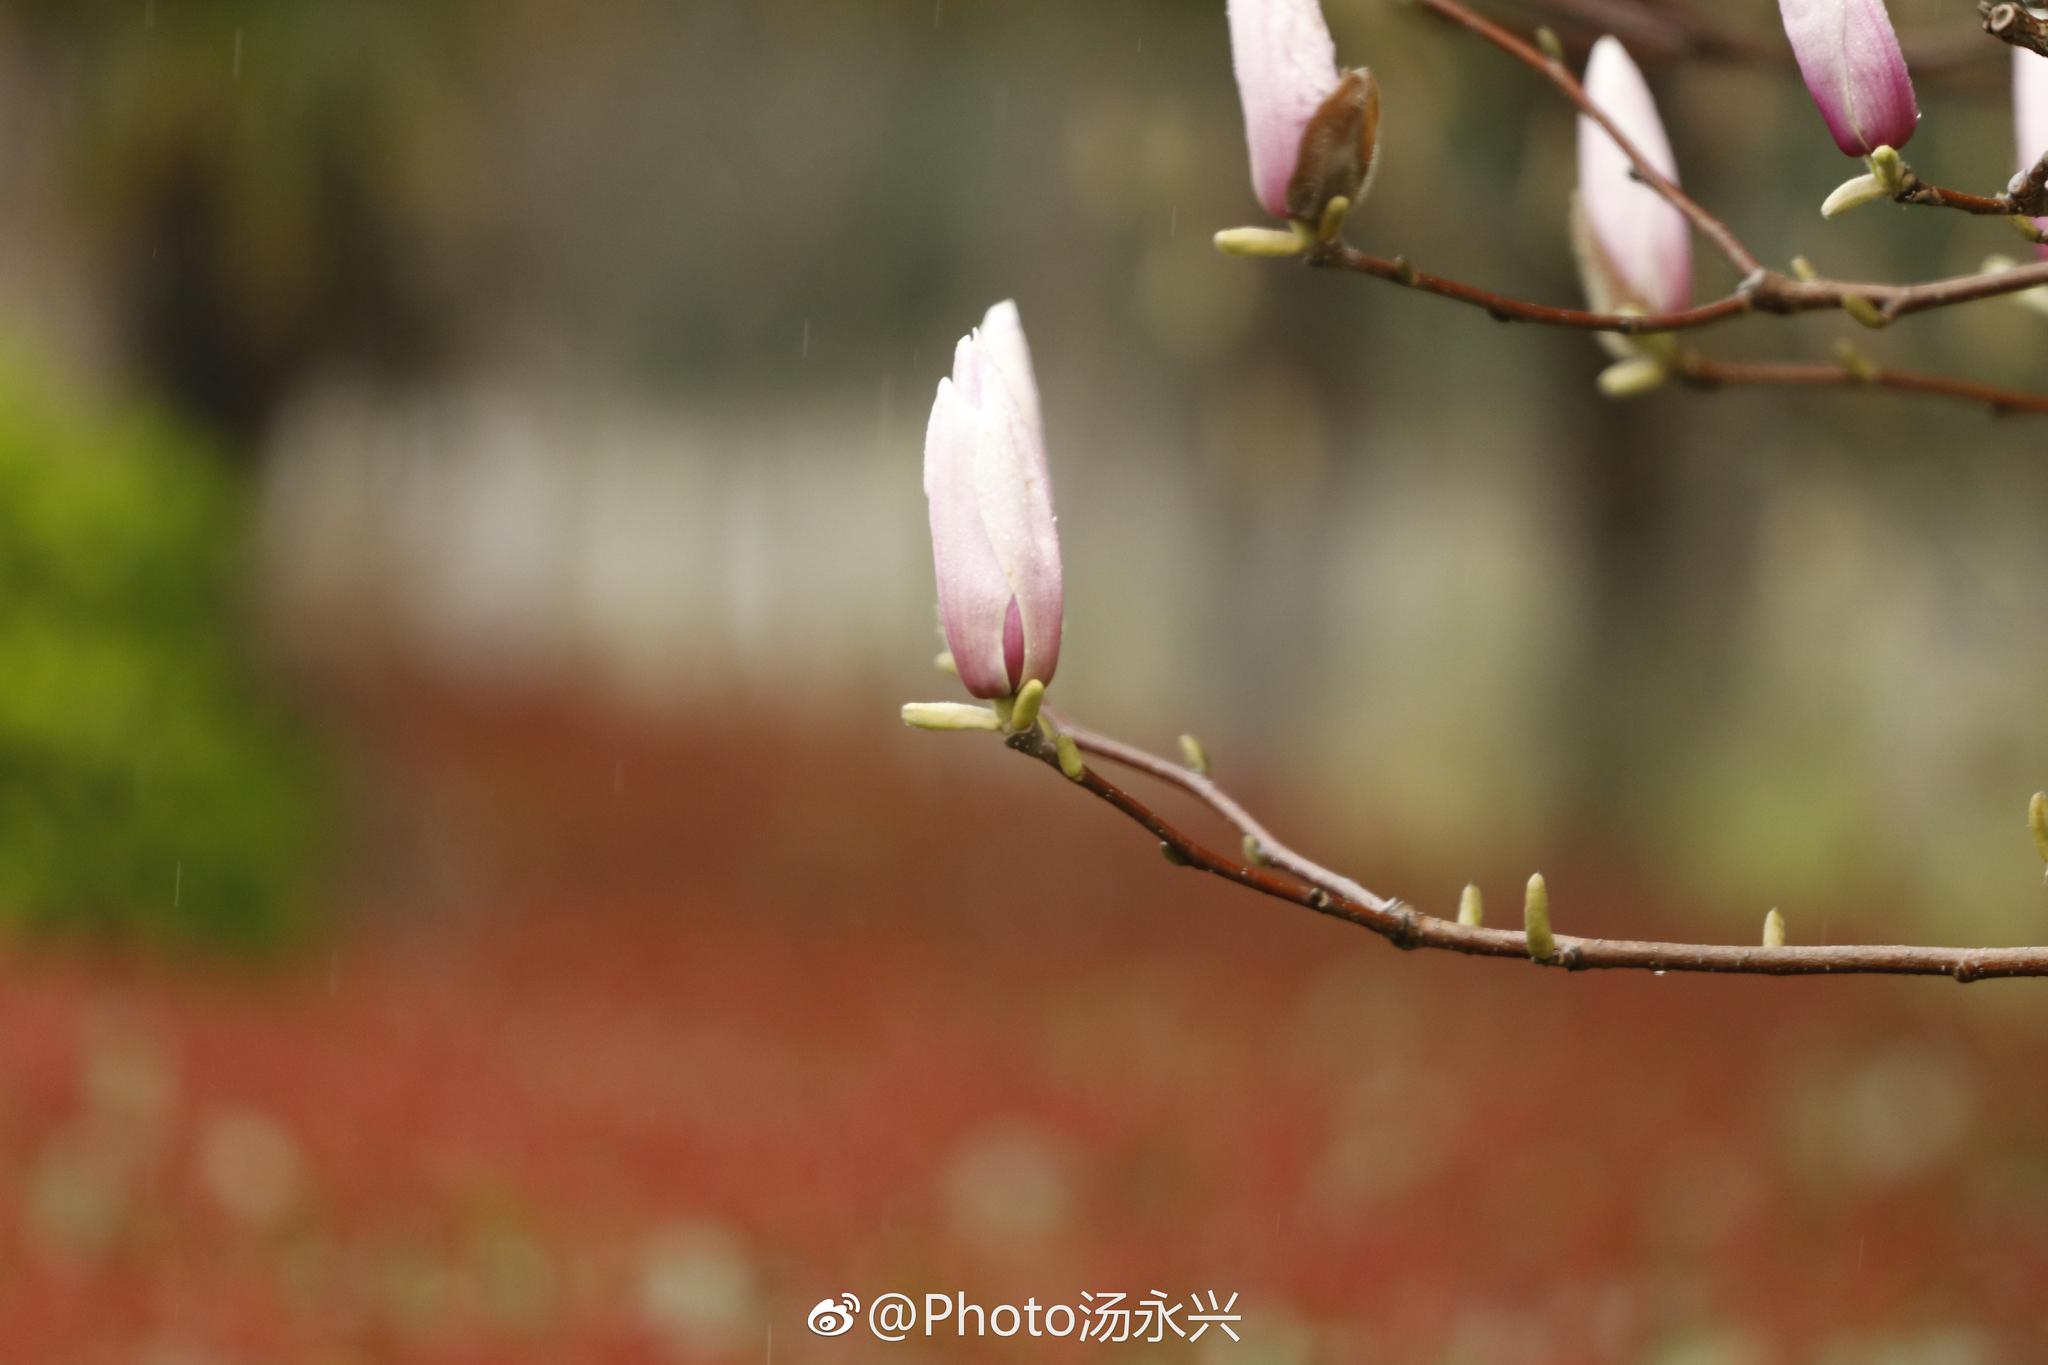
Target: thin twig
x,y
1767,291
1336,255
1304,883
1926,195
1701,372
1203,789
1711,227
2026,194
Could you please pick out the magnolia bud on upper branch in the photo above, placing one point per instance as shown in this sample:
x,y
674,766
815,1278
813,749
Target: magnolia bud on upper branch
x,y
1849,57
1312,131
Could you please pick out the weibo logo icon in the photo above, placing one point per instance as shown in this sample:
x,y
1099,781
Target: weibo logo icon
x,y
834,1317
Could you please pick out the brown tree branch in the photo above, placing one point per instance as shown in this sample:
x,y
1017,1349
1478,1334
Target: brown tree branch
x,y
1301,882
1926,195
1335,255
2026,195
1700,372
2010,23
1766,291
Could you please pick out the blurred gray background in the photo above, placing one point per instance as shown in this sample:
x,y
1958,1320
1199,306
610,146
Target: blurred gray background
x,y
598,344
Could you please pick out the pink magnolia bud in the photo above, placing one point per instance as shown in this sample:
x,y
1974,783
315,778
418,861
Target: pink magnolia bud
x,y
2030,114
1634,248
1312,131
994,544
1850,59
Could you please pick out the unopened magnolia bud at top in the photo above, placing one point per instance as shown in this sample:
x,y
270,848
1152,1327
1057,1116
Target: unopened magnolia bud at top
x,y
1850,59
2030,114
1634,249
995,547
1312,130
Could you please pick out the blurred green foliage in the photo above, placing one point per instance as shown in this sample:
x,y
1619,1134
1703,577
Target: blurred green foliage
x,y
145,784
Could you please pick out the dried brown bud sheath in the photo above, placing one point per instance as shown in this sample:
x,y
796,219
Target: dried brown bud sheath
x,y
1337,148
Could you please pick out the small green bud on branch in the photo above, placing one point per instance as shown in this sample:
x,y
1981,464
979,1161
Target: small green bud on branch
x,y
1536,919
1853,193
949,715
1631,378
1024,710
1263,243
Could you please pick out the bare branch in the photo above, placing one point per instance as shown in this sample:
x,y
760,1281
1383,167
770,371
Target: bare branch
x,y
1701,372
2015,24
1301,882
1506,308
1767,291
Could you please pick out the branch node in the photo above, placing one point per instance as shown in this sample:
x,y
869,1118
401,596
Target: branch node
x,y
1174,855
1318,899
1407,931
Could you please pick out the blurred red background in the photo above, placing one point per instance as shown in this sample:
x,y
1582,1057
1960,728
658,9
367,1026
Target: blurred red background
x,y
733,1038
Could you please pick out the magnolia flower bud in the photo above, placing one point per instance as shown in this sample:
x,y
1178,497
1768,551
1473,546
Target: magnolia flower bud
x,y
2030,114
994,544
1634,249
1850,59
1311,130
